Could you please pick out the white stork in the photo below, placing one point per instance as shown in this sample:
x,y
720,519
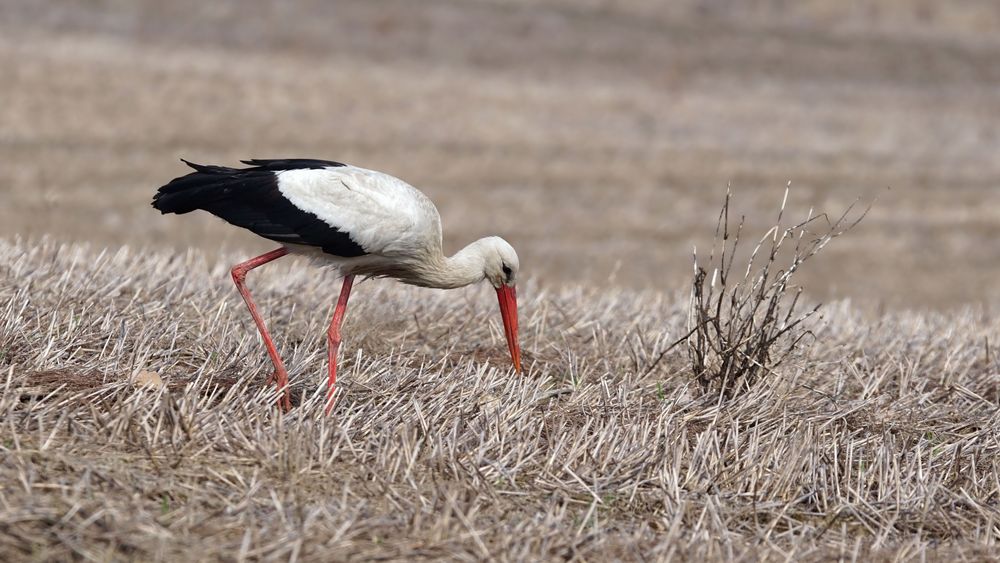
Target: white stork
x,y
360,221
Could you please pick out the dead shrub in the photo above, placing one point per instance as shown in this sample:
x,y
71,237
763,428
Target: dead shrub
x,y
746,322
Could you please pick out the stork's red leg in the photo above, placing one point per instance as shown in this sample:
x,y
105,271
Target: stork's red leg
x,y
239,272
333,339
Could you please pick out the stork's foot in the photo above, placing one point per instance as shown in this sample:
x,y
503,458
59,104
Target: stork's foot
x,y
280,378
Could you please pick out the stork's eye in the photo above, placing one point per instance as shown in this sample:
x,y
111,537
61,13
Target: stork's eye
x,y
506,271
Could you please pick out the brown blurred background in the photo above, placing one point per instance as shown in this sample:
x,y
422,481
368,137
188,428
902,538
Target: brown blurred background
x,y
597,136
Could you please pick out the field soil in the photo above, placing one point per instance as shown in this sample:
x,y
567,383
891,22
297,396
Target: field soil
x,y
599,138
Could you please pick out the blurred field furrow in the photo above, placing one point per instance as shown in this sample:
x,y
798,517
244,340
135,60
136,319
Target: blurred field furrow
x,y
620,126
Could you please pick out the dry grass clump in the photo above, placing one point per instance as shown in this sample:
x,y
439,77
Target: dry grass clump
x,y
745,326
880,444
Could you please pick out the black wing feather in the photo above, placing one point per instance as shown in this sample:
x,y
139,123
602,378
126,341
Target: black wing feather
x,y
250,198
290,163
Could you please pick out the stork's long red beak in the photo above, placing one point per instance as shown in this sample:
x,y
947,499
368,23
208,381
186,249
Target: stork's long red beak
x,y
508,310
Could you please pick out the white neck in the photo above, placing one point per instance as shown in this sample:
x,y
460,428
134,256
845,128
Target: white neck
x,y
466,267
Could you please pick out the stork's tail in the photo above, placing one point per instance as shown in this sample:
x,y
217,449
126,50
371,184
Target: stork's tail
x,y
201,188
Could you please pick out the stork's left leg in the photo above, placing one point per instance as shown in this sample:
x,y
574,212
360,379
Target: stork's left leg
x,y
333,339
239,273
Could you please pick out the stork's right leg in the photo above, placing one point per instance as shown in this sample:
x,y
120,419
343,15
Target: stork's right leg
x,y
239,272
333,339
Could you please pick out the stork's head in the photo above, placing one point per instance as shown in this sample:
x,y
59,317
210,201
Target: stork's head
x,y
500,267
500,263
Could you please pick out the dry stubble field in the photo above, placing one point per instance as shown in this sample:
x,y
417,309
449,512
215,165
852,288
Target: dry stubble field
x,y
599,139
